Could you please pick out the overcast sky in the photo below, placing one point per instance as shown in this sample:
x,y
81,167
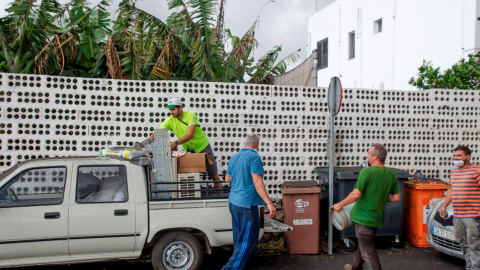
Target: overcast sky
x,y
282,22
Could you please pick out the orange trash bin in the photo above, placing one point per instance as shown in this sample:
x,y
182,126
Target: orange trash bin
x,y
301,204
417,207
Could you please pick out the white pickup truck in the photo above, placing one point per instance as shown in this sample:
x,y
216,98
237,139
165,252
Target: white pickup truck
x,y
84,209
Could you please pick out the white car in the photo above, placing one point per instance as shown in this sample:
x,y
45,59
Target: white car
x,y
441,234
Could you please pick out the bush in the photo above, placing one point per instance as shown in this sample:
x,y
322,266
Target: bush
x,y
463,75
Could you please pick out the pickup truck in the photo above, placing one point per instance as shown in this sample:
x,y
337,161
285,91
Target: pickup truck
x,y
66,210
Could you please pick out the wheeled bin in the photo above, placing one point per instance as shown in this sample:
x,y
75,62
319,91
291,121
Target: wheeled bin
x,y
301,204
417,207
344,179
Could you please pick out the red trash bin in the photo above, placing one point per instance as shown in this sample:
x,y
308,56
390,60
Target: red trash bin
x,y
417,207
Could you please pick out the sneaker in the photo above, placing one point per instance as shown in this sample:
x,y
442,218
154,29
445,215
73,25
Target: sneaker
x,y
348,266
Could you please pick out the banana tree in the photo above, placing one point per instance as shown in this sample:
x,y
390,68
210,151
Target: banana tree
x,y
138,43
184,48
51,38
265,71
187,47
72,39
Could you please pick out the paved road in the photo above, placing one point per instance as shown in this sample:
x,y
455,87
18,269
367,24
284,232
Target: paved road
x,y
411,258
407,257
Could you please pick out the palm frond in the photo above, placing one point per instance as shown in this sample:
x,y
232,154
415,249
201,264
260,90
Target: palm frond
x,y
159,74
281,66
266,69
113,61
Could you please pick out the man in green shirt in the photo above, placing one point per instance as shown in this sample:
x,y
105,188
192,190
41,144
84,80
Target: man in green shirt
x,y
376,185
190,135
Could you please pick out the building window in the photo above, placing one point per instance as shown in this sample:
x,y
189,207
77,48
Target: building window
x,y
351,47
377,26
322,53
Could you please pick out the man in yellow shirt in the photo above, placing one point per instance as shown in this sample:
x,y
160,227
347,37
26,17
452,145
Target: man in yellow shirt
x,y
190,135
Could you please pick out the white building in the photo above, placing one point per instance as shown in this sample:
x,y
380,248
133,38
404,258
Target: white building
x,y
380,44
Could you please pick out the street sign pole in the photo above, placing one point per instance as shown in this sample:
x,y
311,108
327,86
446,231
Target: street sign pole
x,y
334,105
330,180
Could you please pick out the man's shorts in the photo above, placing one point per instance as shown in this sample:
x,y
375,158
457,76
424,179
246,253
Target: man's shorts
x,y
211,168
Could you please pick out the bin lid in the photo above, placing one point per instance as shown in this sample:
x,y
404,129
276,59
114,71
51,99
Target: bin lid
x,y
426,185
301,190
352,172
300,184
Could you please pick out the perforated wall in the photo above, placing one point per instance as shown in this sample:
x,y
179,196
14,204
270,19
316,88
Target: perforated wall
x,y
44,116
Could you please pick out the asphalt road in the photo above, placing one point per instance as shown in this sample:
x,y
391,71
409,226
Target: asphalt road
x,y
405,257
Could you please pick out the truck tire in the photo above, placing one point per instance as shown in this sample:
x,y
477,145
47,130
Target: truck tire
x,y
177,251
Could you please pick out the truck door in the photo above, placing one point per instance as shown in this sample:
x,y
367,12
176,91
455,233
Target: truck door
x,y
102,213
34,216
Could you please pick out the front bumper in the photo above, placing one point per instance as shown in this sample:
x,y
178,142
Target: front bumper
x,y
442,244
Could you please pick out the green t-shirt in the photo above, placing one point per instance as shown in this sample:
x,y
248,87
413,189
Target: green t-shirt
x,y
180,128
376,184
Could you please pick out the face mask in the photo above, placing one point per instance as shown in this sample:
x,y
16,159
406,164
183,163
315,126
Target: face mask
x,y
459,163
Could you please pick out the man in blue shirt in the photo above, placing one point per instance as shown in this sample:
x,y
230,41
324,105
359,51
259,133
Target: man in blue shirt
x,y
247,191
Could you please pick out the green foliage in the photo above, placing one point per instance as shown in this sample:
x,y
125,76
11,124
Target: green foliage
x,y
50,38
266,70
463,75
4,67
72,39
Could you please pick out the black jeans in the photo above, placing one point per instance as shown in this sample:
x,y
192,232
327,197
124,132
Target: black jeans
x,y
366,254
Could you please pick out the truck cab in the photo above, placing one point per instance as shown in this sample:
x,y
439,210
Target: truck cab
x,y
72,209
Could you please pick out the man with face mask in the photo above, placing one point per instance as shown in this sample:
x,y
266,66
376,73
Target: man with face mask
x,y
464,191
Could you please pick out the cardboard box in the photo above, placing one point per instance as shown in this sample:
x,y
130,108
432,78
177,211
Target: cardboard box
x,y
192,163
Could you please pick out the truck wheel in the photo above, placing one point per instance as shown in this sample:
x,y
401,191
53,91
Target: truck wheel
x,y
177,251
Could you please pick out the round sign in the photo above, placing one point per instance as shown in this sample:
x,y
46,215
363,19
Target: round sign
x,y
335,93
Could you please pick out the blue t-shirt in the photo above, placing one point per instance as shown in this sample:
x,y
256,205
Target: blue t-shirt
x,y
240,167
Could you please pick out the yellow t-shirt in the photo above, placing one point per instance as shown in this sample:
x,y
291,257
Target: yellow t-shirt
x,y
180,128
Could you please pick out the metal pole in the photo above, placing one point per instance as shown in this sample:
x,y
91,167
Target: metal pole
x,y
315,64
330,167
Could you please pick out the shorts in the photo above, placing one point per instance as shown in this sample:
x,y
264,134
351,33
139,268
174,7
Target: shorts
x,y
211,169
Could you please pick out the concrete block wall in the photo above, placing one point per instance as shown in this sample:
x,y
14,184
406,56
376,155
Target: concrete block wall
x,y
46,116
